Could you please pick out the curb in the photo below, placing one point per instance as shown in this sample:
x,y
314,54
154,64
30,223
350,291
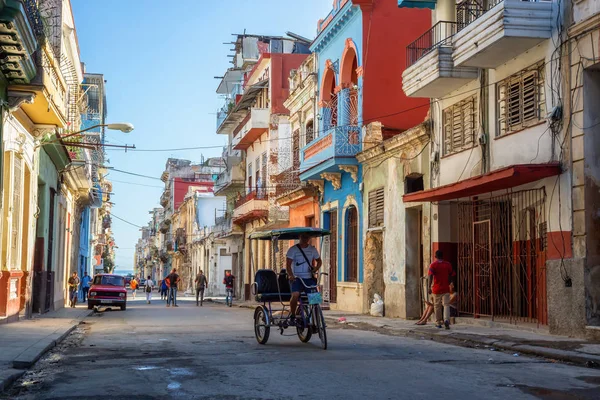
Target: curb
x,y
590,361
30,356
8,377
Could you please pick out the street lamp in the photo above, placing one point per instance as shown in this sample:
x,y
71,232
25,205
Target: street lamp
x,y
124,127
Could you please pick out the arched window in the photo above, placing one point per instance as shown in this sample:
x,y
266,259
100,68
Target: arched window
x,y
351,264
349,78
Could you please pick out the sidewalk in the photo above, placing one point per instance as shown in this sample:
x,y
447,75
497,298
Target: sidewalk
x,y
23,343
468,333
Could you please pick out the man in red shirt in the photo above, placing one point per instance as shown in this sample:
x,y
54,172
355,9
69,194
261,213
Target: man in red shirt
x,y
440,274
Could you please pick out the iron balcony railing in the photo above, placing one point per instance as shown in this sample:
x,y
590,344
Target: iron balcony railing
x,y
468,11
439,35
259,194
35,17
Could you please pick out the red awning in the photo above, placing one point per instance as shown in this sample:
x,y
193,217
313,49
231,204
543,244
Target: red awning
x,y
505,178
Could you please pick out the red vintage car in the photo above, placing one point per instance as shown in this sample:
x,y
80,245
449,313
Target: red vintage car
x,y
108,290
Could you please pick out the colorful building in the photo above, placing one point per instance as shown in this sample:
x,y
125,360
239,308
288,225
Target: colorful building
x,y
255,121
503,160
359,81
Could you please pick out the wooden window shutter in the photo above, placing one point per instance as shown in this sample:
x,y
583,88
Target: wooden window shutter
x,y
376,208
459,126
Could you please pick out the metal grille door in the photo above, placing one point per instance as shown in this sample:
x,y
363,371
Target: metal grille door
x,y
502,257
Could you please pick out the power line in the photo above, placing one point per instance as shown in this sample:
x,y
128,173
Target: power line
x,y
137,184
124,220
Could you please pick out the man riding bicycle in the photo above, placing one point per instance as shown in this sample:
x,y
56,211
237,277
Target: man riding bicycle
x,y
303,260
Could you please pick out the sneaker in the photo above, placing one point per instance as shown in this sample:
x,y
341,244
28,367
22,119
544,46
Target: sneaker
x,y
447,324
175,305
439,326
168,305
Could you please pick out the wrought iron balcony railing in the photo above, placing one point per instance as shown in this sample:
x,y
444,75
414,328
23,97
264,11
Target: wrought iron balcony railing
x,y
260,194
439,35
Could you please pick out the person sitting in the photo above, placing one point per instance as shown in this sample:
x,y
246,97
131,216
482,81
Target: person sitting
x,y
426,314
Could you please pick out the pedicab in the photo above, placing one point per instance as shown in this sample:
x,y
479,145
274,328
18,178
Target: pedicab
x,y
272,290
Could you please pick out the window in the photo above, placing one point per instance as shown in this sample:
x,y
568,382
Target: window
x,y
413,183
310,132
459,121
376,208
249,188
521,101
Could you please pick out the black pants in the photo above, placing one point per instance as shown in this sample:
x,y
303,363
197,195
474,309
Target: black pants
x,y
85,293
199,295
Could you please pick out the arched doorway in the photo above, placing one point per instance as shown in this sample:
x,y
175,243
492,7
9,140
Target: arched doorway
x,y
351,259
329,99
349,81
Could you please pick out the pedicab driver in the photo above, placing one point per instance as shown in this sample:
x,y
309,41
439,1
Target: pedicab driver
x,y
303,260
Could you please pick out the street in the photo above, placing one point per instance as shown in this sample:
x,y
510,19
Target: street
x,y
154,352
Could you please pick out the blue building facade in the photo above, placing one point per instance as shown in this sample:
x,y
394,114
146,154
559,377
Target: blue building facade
x,y
94,115
329,160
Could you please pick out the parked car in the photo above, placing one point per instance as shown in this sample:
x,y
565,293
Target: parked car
x,y
127,280
108,290
142,283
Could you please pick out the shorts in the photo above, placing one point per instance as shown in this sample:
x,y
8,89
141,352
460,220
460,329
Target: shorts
x,y
297,285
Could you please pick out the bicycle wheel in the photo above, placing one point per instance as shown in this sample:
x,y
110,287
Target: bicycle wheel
x,y
318,315
304,328
261,325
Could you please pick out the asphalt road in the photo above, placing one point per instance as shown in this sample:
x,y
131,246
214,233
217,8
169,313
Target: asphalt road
x,y
154,352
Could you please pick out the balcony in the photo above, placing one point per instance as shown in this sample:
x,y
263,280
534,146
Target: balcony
x,y
20,28
493,34
339,145
257,124
230,181
254,205
165,197
430,68
49,106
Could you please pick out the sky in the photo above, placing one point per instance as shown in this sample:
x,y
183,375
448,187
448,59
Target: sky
x,y
159,59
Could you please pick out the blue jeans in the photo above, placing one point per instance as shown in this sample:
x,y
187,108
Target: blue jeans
x,y
229,296
172,296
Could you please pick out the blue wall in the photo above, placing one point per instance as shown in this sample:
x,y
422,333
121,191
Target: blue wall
x,y
333,50
349,188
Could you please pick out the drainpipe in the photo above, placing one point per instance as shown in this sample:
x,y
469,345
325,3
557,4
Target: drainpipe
x,y
484,107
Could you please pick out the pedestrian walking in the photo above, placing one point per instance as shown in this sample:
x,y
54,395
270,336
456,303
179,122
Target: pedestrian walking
x,y
200,286
440,275
133,285
172,282
164,289
85,285
73,288
148,289
228,282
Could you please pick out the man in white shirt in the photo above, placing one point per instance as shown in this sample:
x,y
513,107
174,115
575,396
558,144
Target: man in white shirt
x,y
303,260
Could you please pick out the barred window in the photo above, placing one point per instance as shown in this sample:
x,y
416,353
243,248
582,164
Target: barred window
x,y
521,100
460,121
376,208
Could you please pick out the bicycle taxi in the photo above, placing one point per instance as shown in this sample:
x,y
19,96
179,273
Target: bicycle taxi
x,y
272,290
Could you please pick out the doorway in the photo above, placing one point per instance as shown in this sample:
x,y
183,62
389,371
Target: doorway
x,y
414,261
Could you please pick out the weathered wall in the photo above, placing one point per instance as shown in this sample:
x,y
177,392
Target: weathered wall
x,y
373,265
591,144
566,305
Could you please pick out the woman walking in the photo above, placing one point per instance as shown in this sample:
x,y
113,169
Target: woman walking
x,y
148,289
163,289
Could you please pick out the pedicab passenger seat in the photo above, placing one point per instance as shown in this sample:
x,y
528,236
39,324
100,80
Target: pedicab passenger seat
x,y
267,287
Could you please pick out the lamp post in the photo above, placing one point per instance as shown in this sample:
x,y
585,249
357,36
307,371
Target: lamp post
x,y
124,127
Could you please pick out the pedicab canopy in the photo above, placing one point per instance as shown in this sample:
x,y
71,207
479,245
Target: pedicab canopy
x,y
288,233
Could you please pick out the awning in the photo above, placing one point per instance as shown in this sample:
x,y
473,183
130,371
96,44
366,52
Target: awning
x,y
417,4
250,94
505,178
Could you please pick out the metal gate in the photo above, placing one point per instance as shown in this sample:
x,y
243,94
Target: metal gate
x,y
502,257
